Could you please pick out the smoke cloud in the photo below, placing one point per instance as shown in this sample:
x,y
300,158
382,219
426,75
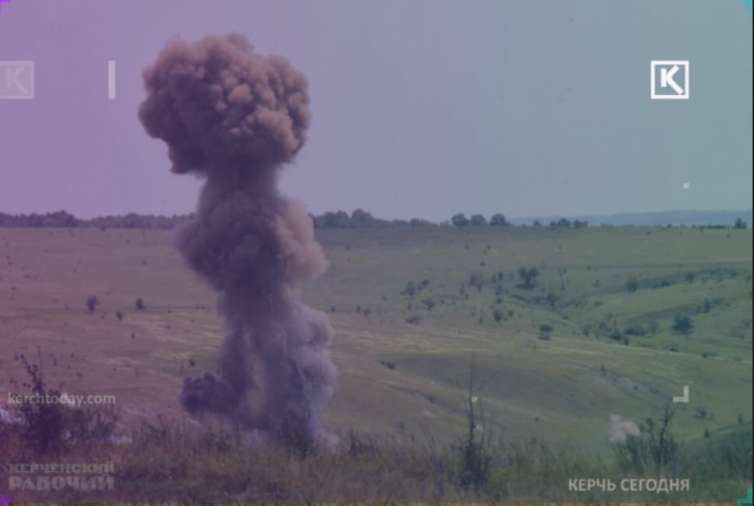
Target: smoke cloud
x,y
234,117
621,428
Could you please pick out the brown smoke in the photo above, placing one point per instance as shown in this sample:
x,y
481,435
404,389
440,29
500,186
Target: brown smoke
x,y
234,117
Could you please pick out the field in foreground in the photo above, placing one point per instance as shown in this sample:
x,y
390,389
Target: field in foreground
x,y
617,323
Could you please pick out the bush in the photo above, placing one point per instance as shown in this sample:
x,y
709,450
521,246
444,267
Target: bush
x,y
410,289
616,335
545,330
683,324
528,277
476,280
50,427
498,315
632,285
635,330
92,302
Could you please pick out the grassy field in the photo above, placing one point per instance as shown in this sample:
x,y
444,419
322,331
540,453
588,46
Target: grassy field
x,y
411,308
403,366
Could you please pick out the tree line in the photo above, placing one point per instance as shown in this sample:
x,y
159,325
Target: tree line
x,y
64,219
330,219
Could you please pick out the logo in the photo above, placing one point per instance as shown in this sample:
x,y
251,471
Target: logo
x,y
670,80
686,391
16,79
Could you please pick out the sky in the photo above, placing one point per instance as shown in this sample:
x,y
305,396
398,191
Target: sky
x,y
421,108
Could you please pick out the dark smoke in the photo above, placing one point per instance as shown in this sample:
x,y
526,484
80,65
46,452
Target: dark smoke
x,y
235,117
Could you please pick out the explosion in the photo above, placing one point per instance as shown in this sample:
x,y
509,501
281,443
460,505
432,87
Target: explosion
x,y
235,117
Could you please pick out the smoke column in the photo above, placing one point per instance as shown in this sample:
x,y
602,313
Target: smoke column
x,y
234,117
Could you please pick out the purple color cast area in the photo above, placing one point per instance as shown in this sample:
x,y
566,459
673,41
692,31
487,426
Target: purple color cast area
x,y
420,109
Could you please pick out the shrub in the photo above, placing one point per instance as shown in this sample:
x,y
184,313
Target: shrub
x,y
552,300
410,289
545,330
498,315
476,280
92,302
390,365
476,454
50,427
653,450
616,335
635,330
528,277
683,324
632,284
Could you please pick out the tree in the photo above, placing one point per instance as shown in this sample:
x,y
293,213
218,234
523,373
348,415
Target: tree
x,y
476,454
498,220
561,223
331,219
361,218
580,224
478,220
740,224
459,220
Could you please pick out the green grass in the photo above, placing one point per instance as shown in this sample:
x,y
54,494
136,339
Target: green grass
x,y
562,390
407,381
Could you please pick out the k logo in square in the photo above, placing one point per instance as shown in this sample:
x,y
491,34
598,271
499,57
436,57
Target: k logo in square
x,y
16,79
670,80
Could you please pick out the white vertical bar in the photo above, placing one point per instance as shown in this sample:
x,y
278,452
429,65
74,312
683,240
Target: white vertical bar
x,y
111,79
